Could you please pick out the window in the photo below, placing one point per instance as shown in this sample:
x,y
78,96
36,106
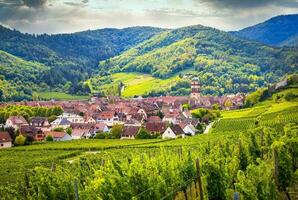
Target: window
x,y
2,145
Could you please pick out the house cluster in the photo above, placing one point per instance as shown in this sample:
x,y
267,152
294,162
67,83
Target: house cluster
x,y
164,115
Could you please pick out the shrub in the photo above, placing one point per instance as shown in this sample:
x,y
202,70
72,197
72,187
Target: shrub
x,y
49,138
20,140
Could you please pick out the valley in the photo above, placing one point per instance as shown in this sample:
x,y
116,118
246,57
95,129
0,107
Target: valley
x,y
139,113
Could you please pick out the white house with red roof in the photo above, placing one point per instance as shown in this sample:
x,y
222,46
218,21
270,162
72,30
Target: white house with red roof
x,y
5,140
16,122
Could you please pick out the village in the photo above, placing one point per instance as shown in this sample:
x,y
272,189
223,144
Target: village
x,y
165,117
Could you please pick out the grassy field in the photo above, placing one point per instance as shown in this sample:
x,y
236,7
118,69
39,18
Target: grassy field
x,y
60,96
138,84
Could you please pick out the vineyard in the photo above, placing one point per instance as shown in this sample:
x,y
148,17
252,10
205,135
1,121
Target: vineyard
x,y
252,155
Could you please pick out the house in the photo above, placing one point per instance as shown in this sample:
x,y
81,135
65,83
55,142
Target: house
x,y
59,136
132,122
5,140
101,127
32,131
16,122
156,127
90,120
154,119
41,122
61,122
172,132
171,116
73,118
81,133
82,130
107,116
129,132
188,129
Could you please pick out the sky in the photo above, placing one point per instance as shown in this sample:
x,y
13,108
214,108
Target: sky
x,y
66,16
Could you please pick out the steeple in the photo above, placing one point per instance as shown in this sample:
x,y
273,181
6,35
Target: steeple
x,y
195,88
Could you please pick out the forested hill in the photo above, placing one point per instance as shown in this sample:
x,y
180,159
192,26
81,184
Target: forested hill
x,y
72,57
19,78
224,63
277,31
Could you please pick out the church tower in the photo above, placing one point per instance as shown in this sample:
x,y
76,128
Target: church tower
x,y
195,88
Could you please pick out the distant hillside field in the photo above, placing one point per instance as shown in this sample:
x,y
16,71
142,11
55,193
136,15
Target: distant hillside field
x,y
135,84
60,96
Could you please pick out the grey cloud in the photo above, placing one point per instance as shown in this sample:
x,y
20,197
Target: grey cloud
x,y
35,3
23,3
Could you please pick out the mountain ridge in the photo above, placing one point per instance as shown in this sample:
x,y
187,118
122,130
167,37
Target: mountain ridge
x,y
274,31
225,62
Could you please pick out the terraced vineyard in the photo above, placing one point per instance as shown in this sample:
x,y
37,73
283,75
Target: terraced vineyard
x,y
239,156
267,113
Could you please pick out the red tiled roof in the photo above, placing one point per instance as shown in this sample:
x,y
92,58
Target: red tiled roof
x,y
154,119
158,127
5,137
106,115
100,126
130,130
17,120
55,134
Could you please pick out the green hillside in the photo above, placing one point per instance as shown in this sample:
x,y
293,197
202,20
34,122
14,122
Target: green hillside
x,y
223,62
19,78
275,112
73,57
134,84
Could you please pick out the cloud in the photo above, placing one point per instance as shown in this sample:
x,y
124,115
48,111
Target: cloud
x,y
58,16
35,3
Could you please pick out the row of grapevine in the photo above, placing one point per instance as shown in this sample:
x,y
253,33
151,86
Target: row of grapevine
x,y
257,164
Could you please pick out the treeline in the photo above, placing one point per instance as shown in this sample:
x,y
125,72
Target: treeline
x,y
28,111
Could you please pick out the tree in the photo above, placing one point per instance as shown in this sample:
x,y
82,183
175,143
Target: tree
x,y
68,130
116,131
160,114
143,134
216,106
52,118
11,132
20,140
49,138
289,96
59,129
228,104
35,96
186,106
29,139
100,136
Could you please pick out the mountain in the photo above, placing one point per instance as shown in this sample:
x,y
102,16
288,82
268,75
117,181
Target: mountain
x,y
277,31
113,60
19,78
72,57
224,63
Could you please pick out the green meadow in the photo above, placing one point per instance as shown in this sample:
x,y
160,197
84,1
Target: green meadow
x,y
60,96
